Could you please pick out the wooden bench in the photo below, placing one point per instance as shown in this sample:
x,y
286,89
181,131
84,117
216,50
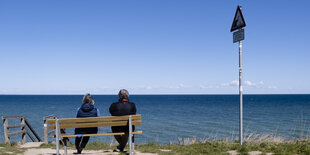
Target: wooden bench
x,y
107,121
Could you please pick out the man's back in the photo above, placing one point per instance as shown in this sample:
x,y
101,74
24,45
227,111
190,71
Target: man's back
x,y
122,107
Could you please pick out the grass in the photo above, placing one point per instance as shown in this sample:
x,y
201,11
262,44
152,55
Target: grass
x,y
221,147
10,149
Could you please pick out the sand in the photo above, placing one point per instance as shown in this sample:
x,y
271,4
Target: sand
x,y
47,151
33,149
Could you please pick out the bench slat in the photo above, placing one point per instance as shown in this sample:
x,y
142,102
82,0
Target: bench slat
x,y
94,119
98,124
101,134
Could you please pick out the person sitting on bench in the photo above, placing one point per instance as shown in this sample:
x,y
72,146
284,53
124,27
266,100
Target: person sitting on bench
x,y
86,110
121,108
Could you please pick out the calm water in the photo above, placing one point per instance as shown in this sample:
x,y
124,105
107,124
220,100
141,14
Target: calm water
x,y
166,118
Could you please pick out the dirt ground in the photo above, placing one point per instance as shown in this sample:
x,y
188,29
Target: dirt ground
x,y
32,150
47,151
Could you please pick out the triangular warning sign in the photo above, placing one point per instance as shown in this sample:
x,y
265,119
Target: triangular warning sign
x,y
238,20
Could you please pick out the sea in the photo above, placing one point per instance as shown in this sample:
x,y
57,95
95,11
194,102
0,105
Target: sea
x,y
176,118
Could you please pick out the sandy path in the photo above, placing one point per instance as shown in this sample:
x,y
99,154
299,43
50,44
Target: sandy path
x,y
32,150
47,151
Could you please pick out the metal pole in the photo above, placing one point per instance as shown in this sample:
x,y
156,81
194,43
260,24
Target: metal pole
x,y
57,136
65,146
130,135
240,91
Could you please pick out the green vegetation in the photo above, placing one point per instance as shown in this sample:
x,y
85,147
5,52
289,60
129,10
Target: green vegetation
x,y
222,147
6,149
50,145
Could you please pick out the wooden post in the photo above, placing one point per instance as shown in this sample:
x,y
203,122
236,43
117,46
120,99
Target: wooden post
x,y
45,129
6,131
23,128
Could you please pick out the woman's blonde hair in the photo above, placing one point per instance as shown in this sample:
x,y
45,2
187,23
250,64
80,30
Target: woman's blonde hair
x,y
88,99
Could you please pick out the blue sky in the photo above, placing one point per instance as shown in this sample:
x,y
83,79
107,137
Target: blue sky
x,y
152,47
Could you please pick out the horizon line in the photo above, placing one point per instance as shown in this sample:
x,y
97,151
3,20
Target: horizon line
x,y
171,94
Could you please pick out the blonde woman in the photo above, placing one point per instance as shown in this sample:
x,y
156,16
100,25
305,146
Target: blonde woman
x,y
87,109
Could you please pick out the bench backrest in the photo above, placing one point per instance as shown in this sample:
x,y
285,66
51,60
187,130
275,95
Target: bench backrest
x,y
87,122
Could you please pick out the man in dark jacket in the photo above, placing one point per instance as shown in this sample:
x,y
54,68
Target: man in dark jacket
x,y
86,110
121,108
